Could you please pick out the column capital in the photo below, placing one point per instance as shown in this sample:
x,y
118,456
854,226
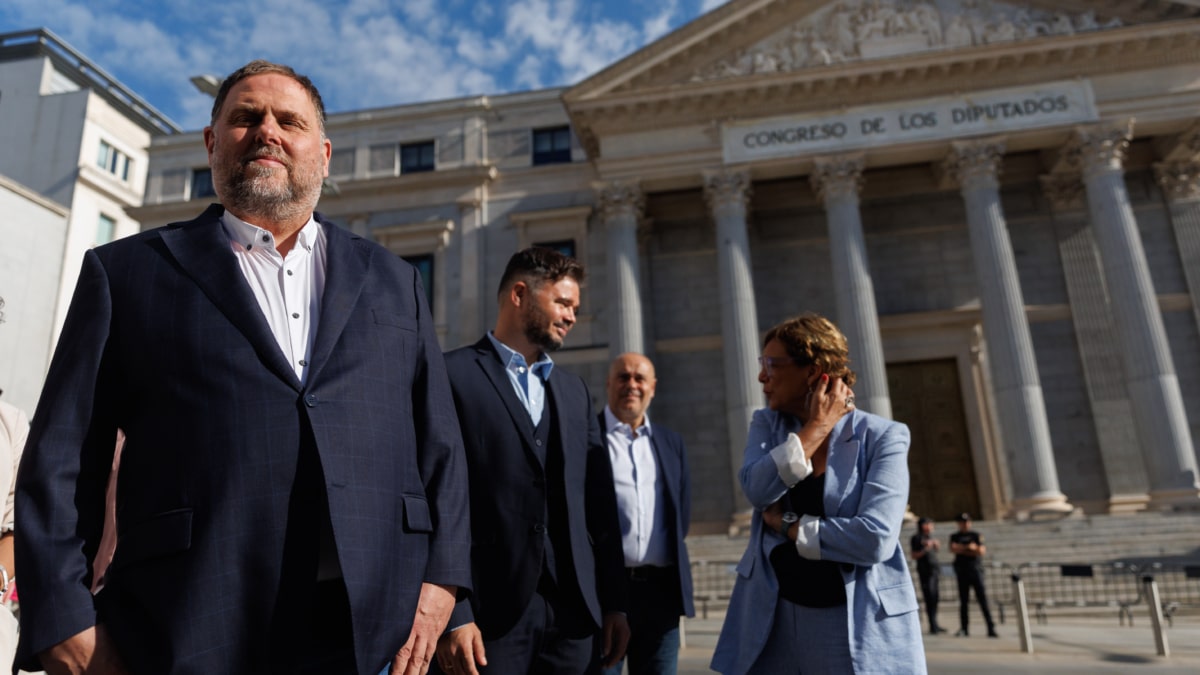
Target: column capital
x,y
837,175
727,187
1179,180
975,163
620,198
1064,190
1098,148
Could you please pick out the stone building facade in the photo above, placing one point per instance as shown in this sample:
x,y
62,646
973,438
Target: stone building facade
x,y
999,203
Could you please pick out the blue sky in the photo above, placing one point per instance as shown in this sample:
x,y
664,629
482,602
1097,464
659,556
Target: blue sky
x,y
361,53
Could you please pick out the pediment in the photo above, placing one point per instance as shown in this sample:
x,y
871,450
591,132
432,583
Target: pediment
x,y
762,38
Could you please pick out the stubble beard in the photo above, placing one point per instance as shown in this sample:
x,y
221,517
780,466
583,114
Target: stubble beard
x,y
538,330
252,189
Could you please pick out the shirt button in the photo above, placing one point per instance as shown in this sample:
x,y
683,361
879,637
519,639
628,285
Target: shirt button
x,y
304,362
295,315
289,273
266,239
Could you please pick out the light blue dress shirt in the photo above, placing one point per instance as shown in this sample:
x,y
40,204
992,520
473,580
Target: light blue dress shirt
x,y
530,390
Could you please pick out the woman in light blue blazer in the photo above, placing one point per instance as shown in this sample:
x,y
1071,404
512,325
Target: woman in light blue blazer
x,y
823,586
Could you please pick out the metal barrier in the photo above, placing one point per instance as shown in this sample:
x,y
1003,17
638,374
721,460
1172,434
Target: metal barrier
x,y
995,580
712,583
1050,585
1178,585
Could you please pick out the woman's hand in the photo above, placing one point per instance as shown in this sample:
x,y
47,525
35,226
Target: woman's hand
x,y
830,400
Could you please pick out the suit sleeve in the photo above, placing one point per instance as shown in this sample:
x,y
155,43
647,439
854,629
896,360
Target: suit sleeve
x,y
441,458
602,521
759,474
64,470
871,534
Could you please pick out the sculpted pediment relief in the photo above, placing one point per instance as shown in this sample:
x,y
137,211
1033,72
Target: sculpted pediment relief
x,y
856,30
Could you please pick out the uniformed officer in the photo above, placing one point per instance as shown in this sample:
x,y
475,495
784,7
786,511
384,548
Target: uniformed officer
x,y
924,550
968,549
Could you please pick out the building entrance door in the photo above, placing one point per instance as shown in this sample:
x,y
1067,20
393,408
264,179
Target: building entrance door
x,y
926,396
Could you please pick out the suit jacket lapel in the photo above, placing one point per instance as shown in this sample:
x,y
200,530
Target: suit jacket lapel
x,y
668,469
201,248
489,362
841,472
347,262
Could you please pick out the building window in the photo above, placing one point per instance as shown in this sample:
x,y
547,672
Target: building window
x,y
416,157
551,145
563,246
341,162
106,229
113,161
424,265
202,185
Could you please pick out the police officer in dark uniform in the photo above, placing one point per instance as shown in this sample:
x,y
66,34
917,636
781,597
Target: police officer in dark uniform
x,y
969,550
924,551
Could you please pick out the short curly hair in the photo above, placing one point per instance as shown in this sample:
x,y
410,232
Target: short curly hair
x,y
812,339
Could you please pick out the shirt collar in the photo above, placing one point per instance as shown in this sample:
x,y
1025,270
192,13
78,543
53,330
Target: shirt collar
x,y
611,422
250,236
510,358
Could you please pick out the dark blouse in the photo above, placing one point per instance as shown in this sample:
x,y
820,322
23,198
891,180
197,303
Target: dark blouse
x,y
810,583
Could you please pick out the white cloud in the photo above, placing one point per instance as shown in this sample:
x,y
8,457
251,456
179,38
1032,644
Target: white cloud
x,y
709,5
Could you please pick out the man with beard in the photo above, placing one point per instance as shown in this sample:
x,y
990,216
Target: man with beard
x,y
650,471
291,458
549,594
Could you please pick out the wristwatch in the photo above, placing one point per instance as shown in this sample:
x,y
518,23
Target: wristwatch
x,y
789,517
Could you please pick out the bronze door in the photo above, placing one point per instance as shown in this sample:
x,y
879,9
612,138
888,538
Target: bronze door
x,y
926,396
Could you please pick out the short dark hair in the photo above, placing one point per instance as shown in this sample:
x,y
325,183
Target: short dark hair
x,y
537,264
262,67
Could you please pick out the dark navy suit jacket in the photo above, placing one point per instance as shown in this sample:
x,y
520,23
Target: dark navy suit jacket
x,y
508,493
675,475
165,340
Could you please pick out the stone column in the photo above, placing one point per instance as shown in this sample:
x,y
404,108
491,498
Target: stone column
x,y
1180,181
728,196
621,206
1099,151
473,300
837,181
1024,431
1103,373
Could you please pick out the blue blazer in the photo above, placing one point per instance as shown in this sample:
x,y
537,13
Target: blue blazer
x,y
673,469
508,487
165,340
866,492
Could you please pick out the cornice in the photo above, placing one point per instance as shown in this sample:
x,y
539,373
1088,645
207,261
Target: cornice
x,y
466,177
876,81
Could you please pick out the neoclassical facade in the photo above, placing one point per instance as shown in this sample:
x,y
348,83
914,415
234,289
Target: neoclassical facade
x,y
999,203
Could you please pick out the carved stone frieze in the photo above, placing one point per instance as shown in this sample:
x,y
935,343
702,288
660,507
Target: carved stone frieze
x,y
1097,148
620,199
837,176
1180,181
852,30
972,163
726,187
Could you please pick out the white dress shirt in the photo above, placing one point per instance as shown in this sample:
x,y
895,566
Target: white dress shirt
x,y
641,498
288,290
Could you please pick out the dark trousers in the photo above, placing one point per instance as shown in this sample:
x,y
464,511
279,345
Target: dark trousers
x,y
554,636
968,578
929,590
654,609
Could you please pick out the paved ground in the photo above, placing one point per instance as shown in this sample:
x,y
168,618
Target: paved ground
x,y
1086,645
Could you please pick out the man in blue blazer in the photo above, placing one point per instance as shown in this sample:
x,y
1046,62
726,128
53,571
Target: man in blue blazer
x,y
650,471
290,497
546,548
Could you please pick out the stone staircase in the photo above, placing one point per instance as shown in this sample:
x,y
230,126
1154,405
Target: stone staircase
x,y
1075,539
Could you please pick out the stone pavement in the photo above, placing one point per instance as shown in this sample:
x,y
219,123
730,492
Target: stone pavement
x,y
1083,644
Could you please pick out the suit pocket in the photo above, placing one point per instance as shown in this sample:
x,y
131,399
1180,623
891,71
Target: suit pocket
x,y
162,534
386,318
416,514
898,599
